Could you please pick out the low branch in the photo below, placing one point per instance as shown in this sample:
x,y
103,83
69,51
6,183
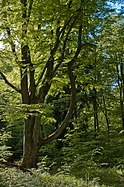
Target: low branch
x,y
8,83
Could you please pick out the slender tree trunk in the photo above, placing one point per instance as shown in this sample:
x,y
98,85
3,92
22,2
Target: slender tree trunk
x,y
95,108
106,115
121,89
122,93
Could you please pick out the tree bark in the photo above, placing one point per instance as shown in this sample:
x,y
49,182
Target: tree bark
x,y
32,134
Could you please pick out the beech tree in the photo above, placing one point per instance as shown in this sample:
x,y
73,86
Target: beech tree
x,y
41,44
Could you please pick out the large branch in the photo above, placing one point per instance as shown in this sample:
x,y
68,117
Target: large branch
x,y
26,60
69,114
53,51
64,46
8,83
32,87
50,72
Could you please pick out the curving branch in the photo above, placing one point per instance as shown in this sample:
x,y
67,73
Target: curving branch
x,y
69,113
9,84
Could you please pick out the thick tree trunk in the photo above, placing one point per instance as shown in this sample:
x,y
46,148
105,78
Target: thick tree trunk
x,y
30,142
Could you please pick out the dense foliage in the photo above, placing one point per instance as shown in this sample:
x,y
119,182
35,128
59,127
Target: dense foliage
x,y
62,92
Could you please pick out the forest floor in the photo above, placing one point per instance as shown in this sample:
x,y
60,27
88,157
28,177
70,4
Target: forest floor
x,y
13,177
